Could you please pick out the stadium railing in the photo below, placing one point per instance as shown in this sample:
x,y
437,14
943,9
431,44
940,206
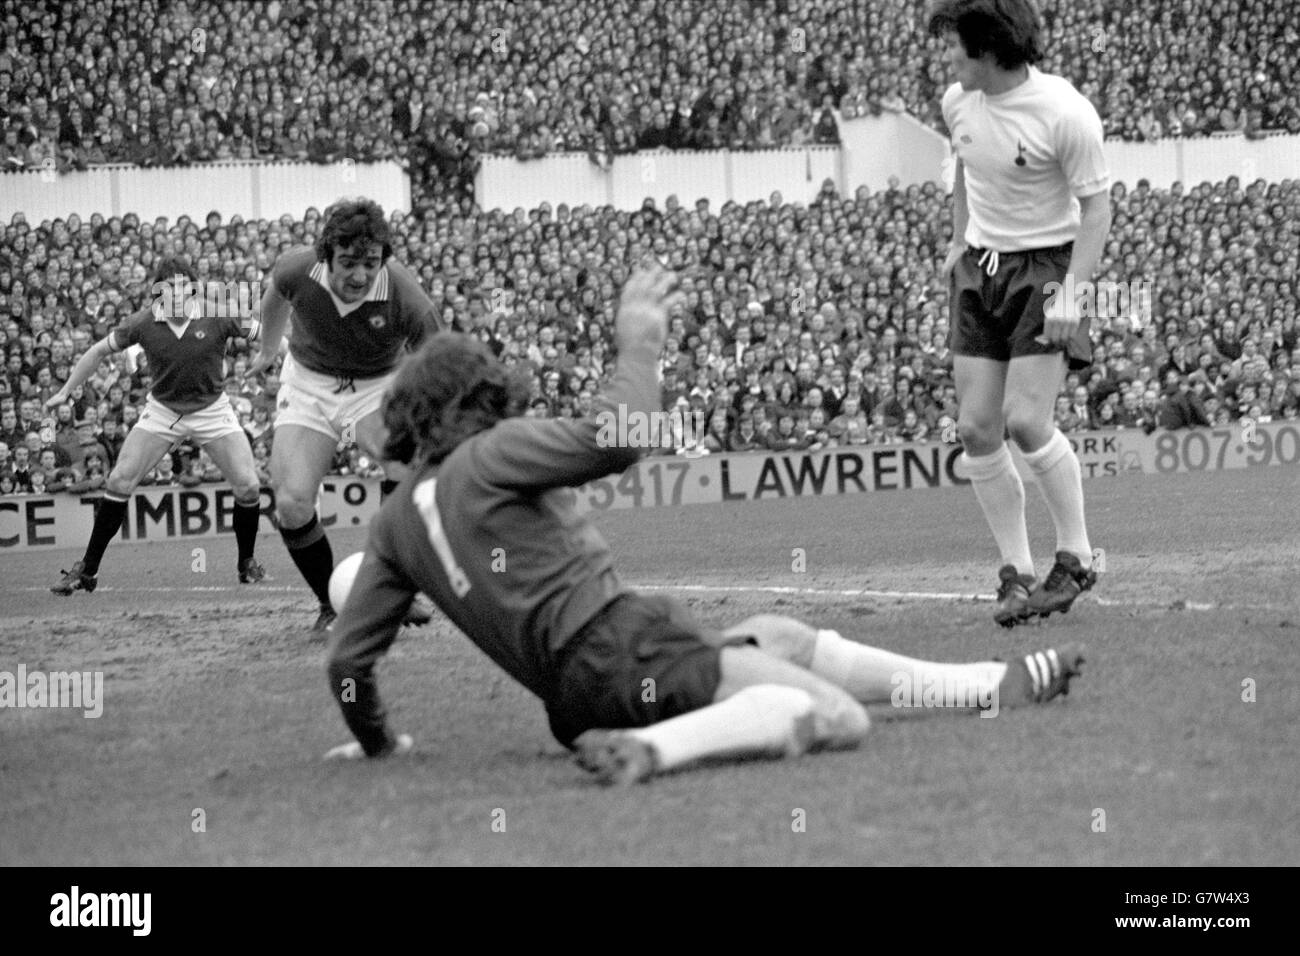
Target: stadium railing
x,y
254,189
876,152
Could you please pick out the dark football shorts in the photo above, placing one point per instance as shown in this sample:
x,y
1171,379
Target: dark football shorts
x,y
999,316
604,672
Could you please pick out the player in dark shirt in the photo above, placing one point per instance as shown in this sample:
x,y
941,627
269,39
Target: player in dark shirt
x,y
485,525
354,311
185,343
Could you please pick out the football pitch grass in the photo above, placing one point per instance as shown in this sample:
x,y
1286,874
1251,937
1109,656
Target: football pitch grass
x,y
216,710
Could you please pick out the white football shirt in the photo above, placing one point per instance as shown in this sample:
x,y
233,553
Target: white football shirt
x,y
1028,155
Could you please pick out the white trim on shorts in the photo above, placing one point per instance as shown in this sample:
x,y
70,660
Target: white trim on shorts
x,y
204,426
322,403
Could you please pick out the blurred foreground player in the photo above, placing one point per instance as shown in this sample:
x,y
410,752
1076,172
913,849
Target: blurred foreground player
x,y
354,310
633,684
186,348
1031,210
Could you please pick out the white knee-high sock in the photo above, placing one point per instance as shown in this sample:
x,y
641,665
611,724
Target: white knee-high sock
x,y
1001,495
873,676
755,721
1060,480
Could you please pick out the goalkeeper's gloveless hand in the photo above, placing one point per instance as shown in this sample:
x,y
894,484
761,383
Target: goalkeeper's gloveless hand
x,y
648,296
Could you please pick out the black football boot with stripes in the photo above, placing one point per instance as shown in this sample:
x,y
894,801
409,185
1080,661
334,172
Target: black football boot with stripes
x,y
1040,676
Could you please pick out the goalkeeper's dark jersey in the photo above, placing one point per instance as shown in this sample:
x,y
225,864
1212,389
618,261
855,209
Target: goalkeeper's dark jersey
x,y
493,538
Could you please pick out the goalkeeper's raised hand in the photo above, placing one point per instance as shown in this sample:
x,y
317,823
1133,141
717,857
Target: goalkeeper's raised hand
x,y
648,296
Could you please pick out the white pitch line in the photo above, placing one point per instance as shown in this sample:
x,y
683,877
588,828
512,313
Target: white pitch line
x,y
823,592
950,596
192,589
899,595
705,588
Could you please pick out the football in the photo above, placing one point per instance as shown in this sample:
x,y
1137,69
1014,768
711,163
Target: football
x,y
341,580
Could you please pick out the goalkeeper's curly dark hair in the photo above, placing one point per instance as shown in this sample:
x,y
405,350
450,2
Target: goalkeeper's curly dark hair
x,y
352,221
450,390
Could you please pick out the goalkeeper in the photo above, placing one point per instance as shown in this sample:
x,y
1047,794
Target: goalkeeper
x,y
631,683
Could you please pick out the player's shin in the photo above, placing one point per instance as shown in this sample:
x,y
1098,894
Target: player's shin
x,y
247,515
1060,479
1001,496
311,552
108,521
872,675
767,719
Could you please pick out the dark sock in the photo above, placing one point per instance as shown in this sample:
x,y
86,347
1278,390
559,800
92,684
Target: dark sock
x,y
108,522
310,550
246,521
386,487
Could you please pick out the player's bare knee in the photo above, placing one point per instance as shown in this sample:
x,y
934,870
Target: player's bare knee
x,y
292,511
979,436
247,492
784,637
119,485
1027,431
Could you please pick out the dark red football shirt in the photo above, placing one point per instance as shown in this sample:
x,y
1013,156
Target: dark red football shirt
x,y
186,369
366,342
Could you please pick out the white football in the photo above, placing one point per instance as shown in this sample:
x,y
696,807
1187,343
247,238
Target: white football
x,y
342,578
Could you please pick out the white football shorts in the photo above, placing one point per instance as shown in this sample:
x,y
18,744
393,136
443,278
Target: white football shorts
x,y
327,403
206,425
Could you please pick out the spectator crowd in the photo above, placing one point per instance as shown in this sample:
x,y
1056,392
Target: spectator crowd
x,y
434,86
805,326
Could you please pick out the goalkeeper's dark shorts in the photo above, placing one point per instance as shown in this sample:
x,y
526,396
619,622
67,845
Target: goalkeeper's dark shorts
x,y
998,303
639,661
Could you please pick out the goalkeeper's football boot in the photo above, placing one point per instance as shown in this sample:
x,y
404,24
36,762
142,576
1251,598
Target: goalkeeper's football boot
x,y
616,757
1038,677
1013,596
325,620
1065,582
420,612
250,571
76,580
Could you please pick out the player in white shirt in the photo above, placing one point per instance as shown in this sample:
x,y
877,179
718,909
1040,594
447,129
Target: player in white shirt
x,y
1031,211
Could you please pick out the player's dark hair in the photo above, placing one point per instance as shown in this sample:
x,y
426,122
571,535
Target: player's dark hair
x,y
450,390
1009,29
171,266
352,221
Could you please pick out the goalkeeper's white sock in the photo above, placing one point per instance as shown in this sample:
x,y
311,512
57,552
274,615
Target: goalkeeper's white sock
x,y
1060,479
765,719
874,676
1001,495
